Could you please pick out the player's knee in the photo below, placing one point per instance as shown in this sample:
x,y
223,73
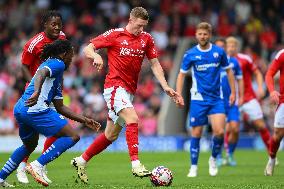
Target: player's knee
x,y
219,133
235,130
75,138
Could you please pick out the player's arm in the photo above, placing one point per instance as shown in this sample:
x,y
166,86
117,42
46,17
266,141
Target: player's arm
x,y
26,73
272,70
159,74
38,82
231,79
67,112
241,91
259,81
90,53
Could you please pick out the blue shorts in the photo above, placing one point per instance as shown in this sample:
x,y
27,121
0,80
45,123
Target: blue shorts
x,y
199,110
48,122
233,113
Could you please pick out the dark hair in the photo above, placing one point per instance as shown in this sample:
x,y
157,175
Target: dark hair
x,y
49,14
220,39
53,50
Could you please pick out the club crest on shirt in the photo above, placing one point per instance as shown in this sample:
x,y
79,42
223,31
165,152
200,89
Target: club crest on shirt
x,y
216,55
124,42
143,43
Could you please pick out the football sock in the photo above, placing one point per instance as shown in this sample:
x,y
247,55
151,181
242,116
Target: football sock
x,y
15,159
273,147
25,159
48,142
99,144
232,147
265,135
132,140
226,142
217,146
194,150
56,149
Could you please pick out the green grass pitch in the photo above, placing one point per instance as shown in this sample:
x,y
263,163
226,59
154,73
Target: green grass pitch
x,y
112,170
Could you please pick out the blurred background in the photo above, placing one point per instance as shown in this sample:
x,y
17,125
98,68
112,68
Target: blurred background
x,y
259,24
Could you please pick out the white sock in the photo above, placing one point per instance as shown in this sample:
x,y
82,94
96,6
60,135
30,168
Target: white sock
x,y
1,180
135,163
193,167
81,160
22,165
36,163
271,160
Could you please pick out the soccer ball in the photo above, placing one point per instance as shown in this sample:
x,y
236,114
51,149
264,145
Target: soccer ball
x,y
161,176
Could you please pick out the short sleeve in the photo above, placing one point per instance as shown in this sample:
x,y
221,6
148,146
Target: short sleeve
x,y
55,67
58,91
186,63
151,51
27,58
104,40
224,60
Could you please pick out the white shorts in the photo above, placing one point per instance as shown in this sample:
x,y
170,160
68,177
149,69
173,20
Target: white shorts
x,y
252,109
117,98
279,117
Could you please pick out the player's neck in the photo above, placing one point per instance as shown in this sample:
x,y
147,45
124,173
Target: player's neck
x,y
129,29
204,47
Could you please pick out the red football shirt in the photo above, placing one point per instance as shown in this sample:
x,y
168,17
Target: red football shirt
x,y
125,56
248,67
277,65
33,49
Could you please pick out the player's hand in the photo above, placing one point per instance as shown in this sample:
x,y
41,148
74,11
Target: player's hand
x,y
92,124
32,100
260,93
232,98
179,101
274,97
240,101
177,98
98,62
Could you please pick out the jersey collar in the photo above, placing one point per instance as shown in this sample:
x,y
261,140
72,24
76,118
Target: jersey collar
x,y
206,50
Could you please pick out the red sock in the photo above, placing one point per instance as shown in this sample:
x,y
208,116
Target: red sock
x,y
26,159
48,142
99,144
132,140
265,135
273,147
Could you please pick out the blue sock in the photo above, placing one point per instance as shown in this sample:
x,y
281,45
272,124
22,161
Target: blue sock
x,y
194,150
14,161
217,146
56,149
232,147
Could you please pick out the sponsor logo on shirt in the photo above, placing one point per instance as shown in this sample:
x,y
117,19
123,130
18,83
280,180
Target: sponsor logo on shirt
x,y
204,67
131,52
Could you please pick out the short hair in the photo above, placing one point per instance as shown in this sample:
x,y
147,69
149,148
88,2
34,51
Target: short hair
x,y
204,26
139,12
232,39
49,14
220,39
54,49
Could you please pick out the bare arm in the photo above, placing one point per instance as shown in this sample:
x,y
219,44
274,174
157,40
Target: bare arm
x,y
90,53
159,74
241,91
231,80
38,81
26,73
259,81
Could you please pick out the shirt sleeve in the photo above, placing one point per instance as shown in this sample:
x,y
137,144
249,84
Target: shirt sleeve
x,y
58,91
55,68
186,63
224,60
27,58
104,40
151,51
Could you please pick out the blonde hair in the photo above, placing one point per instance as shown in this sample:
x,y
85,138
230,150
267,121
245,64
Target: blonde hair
x,y
204,26
232,39
139,12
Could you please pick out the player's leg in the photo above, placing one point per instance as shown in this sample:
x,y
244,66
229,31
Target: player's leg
x,y
218,126
196,133
51,123
100,143
253,109
29,144
275,140
197,119
131,123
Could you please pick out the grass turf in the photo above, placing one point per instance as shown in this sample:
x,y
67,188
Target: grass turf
x,y
112,170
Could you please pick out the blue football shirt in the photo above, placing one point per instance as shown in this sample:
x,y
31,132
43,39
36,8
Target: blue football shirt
x,y
205,66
